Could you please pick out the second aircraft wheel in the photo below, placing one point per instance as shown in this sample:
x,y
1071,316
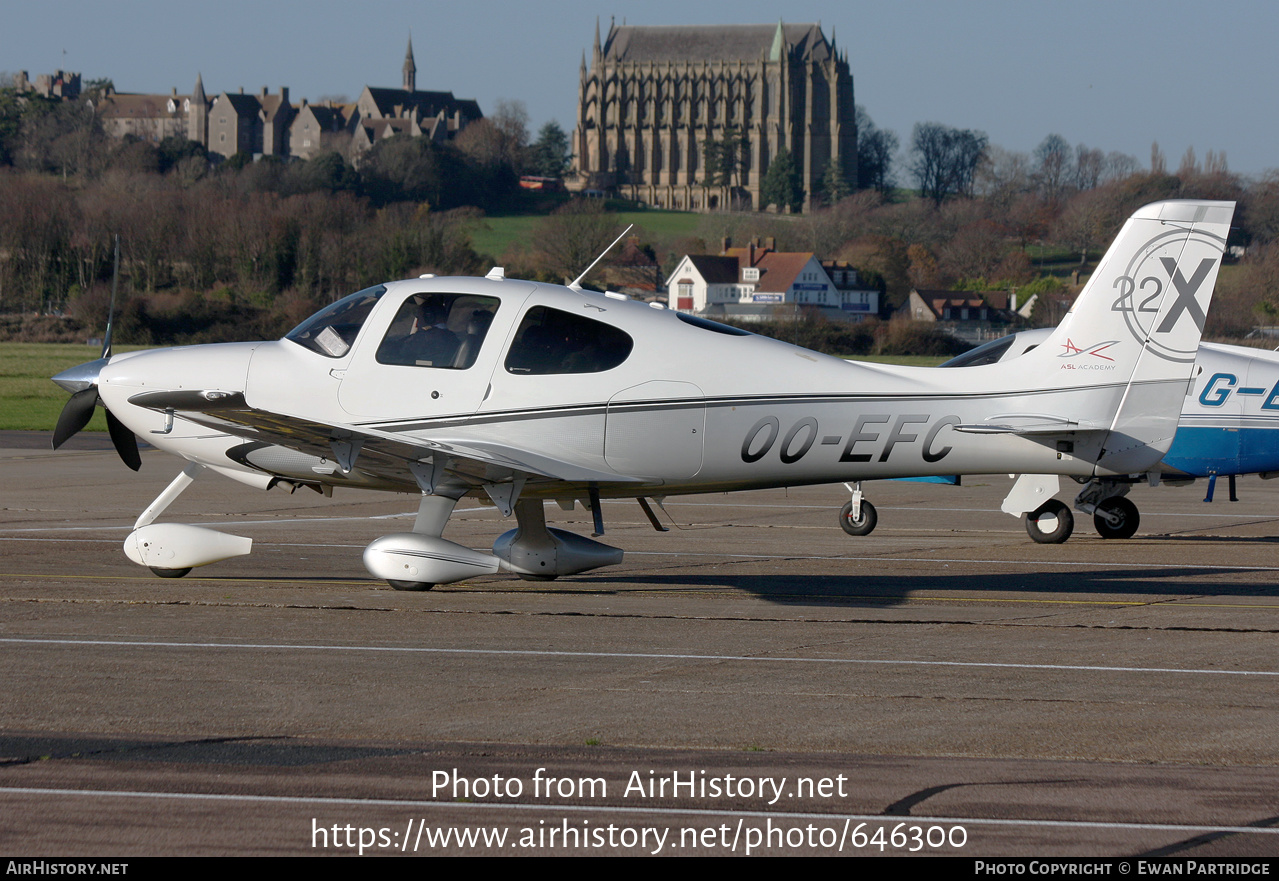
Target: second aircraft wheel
x,y
1129,519
410,585
1049,524
864,525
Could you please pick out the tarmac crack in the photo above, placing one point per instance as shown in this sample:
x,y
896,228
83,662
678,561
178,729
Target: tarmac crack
x,y
1200,840
126,748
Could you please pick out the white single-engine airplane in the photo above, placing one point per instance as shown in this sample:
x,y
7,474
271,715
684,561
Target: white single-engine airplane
x,y
524,392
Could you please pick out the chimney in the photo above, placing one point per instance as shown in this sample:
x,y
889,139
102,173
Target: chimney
x,y
770,243
264,91
284,94
751,261
727,243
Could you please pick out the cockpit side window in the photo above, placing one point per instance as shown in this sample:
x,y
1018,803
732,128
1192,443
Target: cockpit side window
x,y
332,331
551,341
438,330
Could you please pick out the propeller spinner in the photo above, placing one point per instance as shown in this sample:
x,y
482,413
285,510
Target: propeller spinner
x,y
82,381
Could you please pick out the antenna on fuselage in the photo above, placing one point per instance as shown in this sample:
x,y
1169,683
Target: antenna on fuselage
x,y
576,284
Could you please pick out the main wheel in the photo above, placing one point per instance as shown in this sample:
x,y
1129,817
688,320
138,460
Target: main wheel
x,y
864,525
1129,518
1049,524
169,573
411,585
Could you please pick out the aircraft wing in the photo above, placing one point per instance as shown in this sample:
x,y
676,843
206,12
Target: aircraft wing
x,y
387,455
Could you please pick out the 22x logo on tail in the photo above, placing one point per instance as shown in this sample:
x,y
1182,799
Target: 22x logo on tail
x,y
1155,285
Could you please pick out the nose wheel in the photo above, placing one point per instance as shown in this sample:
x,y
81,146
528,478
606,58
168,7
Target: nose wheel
x,y
169,573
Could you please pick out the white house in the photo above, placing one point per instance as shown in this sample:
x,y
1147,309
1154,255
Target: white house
x,y
755,283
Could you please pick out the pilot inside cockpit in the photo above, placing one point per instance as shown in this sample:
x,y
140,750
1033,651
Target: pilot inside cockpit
x,y
437,330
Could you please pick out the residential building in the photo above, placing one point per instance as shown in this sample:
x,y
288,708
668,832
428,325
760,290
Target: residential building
x,y
969,315
382,113
146,117
317,128
757,282
153,117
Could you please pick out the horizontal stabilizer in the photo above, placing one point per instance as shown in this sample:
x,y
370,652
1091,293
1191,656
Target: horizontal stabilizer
x,y
1024,424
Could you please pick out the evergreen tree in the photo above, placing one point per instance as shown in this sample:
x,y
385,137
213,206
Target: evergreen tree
x,y
723,157
550,153
781,184
835,182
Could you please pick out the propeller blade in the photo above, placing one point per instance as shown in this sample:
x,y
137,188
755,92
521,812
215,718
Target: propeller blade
x,y
75,415
126,443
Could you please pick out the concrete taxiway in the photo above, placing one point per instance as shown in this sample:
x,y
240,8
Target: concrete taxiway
x,y
753,678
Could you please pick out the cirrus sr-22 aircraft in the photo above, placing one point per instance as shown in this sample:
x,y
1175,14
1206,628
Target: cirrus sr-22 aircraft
x,y
525,393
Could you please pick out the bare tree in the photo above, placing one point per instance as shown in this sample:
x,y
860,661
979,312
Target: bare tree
x,y
1090,164
1003,176
1189,164
567,241
876,148
1054,167
1119,166
1158,165
945,159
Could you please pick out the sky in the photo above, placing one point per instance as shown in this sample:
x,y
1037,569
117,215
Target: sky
x,y
1114,75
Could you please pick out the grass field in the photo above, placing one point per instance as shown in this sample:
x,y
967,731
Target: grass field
x,y
29,401
493,235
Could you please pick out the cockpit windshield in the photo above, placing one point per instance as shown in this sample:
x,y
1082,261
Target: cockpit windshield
x,y
332,331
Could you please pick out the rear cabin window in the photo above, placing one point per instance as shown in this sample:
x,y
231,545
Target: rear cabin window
x,y
438,330
550,341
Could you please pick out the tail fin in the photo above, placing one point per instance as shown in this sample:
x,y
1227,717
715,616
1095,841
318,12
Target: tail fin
x,y
1138,321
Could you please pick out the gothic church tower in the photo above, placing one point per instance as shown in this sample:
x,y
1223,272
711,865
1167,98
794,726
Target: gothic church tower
x,y
410,69
654,97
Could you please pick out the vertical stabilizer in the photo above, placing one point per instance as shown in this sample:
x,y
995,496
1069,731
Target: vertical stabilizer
x,y
1137,323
